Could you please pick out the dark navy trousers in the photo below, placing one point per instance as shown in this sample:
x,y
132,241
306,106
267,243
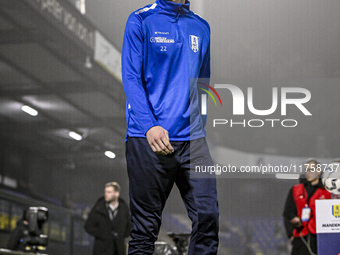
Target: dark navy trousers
x,y
151,178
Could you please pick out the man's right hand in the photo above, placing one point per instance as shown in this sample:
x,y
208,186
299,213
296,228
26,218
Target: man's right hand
x,y
296,221
158,139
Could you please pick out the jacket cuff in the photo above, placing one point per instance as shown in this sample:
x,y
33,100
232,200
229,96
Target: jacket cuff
x,y
148,126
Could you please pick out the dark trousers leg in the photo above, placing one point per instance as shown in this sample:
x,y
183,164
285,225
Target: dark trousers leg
x,y
198,191
151,177
300,248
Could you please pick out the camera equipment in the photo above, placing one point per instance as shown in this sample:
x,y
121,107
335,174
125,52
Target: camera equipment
x,y
181,241
163,248
35,240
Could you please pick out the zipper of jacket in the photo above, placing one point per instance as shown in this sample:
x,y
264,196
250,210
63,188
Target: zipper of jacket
x,y
178,30
178,13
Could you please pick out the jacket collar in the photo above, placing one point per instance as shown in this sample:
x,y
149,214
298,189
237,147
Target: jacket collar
x,y
102,207
174,7
307,183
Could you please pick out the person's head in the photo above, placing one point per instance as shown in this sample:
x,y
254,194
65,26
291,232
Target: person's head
x,y
111,192
312,170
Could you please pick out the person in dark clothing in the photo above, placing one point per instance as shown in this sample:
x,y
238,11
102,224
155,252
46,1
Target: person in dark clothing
x,y
16,240
299,210
109,222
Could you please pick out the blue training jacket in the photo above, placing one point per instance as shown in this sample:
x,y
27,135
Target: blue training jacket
x,y
166,49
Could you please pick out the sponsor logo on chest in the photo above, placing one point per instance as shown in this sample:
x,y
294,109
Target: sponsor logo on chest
x,y
160,39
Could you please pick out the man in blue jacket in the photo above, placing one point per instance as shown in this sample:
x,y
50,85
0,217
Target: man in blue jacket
x,y
166,50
